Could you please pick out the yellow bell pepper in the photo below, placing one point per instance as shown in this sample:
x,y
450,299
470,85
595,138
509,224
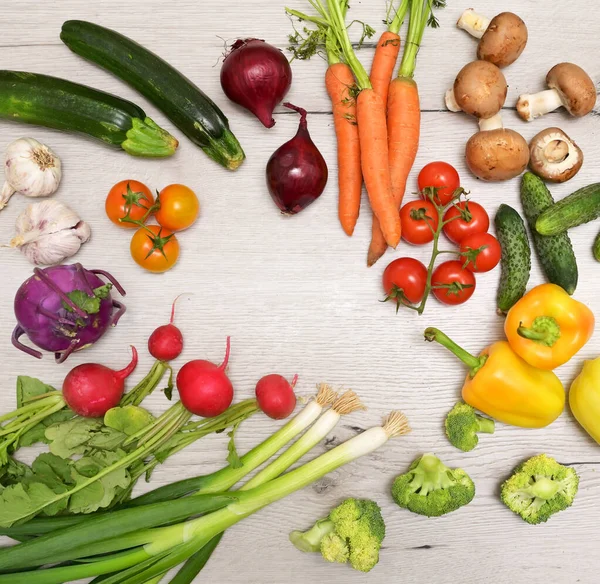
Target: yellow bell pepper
x,y
584,398
547,327
505,387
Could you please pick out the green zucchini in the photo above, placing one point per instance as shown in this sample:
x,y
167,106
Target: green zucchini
x,y
516,257
191,110
596,248
554,251
64,105
578,208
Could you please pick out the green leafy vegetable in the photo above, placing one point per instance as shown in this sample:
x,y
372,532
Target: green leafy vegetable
x,y
69,438
30,387
87,303
38,432
128,419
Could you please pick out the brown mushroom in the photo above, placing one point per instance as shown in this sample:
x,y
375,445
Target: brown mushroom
x,y
570,87
554,156
497,154
503,39
479,90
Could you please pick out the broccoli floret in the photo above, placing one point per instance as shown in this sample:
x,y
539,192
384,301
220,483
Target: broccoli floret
x,y
431,488
462,425
352,532
540,487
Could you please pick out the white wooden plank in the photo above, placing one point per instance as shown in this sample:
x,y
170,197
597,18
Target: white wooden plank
x,y
296,296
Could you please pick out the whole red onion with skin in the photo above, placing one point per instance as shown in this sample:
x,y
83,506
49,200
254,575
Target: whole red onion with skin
x,y
257,76
296,172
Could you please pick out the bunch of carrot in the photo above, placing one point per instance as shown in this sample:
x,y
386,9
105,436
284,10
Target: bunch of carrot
x,y
377,118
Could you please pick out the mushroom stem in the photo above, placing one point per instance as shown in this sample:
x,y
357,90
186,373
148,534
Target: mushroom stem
x,y
493,123
534,105
473,23
451,102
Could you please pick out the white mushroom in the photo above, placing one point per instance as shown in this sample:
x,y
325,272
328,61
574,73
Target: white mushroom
x,y
554,156
570,87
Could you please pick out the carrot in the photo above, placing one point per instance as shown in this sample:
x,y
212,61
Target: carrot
x,y
339,81
404,119
404,116
386,53
372,131
384,63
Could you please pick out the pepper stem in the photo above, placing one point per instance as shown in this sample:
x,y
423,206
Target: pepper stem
x,y
543,330
472,362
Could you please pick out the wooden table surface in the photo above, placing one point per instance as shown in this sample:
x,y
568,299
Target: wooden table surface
x,y
296,296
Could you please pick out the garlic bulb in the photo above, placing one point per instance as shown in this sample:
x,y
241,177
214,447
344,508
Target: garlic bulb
x,y
49,232
31,169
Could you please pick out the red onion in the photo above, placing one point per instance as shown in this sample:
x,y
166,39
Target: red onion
x,y
296,171
257,76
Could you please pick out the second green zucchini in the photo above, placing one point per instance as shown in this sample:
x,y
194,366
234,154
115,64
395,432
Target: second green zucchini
x,y
189,108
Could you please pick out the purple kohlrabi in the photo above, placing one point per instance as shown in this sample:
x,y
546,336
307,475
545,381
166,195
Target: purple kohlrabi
x,y
65,309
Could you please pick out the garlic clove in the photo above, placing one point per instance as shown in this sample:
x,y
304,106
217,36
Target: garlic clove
x,y
30,168
49,232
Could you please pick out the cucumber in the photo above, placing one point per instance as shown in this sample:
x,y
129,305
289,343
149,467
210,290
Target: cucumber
x,y
516,257
596,248
578,208
554,251
56,103
191,110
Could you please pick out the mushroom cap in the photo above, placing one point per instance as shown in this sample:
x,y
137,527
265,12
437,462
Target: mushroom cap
x,y
480,89
577,91
554,156
496,155
504,40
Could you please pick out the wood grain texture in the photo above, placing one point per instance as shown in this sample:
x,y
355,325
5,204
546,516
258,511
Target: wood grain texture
x,y
296,296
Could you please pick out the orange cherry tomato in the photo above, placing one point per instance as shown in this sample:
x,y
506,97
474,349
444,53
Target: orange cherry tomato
x,y
154,248
128,196
179,207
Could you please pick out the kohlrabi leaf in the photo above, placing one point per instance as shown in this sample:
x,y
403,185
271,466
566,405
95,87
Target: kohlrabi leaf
x,y
128,419
87,303
30,387
69,438
233,458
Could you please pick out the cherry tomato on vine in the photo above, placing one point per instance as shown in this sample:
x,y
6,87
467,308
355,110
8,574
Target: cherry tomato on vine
x,y
472,218
441,176
405,278
489,252
154,248
179,207
419,219
451,283
128,196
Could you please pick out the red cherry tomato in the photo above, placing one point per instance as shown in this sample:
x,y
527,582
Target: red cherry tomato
x,y
418,218
451,283
472,218
441,176
405,279
489,252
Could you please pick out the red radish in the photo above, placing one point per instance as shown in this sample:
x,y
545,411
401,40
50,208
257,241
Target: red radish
x,y
166,342
296,171
256,75
90,389
204,388
275,396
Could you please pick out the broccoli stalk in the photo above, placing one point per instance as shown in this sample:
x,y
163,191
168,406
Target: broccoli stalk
x,y
352,532
463,424
431,488
540,487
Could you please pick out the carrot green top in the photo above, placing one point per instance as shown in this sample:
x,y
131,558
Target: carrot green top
x,y
421,15
395,24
